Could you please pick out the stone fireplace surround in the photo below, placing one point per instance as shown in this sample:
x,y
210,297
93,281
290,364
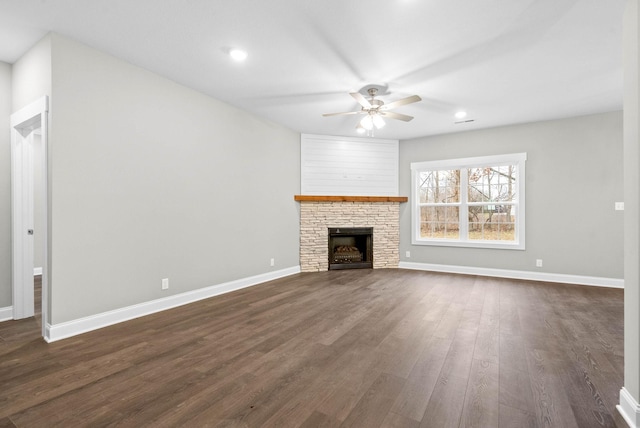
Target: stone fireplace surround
x,y
319,213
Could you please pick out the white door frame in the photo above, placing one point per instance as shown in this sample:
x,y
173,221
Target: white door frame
x,y
23,124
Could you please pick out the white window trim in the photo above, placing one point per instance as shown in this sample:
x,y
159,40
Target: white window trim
x,y
462,164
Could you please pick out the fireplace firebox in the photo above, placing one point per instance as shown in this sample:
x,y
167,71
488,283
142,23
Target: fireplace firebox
x,y
350,248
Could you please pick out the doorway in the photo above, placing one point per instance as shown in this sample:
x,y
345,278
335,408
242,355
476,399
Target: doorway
x,y
29,132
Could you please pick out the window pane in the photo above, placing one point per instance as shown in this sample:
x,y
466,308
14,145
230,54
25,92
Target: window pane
x,y
492,184
439,186
492,223
439,222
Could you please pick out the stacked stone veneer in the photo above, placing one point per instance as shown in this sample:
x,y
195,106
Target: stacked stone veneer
x,y
317,217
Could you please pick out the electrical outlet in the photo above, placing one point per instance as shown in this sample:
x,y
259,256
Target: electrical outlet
x,y
538,262
619,206
407,254
273,262
165,283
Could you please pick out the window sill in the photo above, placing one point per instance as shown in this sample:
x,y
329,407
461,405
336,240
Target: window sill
x,y
469,244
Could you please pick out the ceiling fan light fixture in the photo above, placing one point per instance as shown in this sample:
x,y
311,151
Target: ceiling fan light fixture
x,y
360,129
367,123
377,121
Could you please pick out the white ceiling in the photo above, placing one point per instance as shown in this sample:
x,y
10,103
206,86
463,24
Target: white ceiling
x,y
503,61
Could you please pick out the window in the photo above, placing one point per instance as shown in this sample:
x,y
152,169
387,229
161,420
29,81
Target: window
x,y
472,202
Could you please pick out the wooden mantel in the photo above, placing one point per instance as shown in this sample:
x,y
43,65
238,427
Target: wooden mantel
x,y
314,198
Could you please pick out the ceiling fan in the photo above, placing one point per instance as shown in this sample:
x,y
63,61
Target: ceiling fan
x,y
375,110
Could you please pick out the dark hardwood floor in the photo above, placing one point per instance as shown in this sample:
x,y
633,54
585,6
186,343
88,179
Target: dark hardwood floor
x,y
365,348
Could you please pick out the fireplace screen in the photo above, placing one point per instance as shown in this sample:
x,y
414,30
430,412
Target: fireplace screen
x,y
350,248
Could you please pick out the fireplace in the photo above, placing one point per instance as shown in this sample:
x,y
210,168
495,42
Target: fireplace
x,y
319,213
350,248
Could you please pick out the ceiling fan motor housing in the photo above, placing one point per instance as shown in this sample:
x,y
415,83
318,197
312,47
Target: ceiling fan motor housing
x,y
375,104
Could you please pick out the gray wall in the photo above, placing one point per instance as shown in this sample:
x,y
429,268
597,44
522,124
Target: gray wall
x,y
5,185
152,180
632,200
574,176
32,75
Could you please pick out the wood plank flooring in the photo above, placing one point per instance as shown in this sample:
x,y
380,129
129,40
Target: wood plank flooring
x,y
358,348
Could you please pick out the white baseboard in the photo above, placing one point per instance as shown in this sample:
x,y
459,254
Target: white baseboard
x,y
6,314
518,274
37,271
629,408
82,325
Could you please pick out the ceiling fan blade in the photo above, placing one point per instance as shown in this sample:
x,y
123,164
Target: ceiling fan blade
x,y
360,99
404,101
343,113
394,115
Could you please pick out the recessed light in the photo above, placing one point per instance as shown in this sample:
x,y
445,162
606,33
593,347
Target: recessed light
x,y
238,54
461,114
